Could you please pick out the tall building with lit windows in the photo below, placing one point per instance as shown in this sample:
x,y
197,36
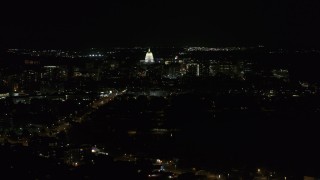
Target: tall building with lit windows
x,y
193,69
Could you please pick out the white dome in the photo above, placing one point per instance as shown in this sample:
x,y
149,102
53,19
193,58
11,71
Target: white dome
x,y
149,57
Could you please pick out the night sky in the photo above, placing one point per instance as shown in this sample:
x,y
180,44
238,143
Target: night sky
x,y
160,23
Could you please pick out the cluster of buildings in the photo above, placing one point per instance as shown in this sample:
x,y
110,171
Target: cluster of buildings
x,y
38,77
40,99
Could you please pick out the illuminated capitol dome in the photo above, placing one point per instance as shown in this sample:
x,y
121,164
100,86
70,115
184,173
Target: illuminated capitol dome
x,y
149,57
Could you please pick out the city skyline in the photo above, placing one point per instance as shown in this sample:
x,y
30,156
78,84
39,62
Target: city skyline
x,y
152,89
193,109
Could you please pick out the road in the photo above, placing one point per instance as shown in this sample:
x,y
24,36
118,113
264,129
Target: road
x,y
63,126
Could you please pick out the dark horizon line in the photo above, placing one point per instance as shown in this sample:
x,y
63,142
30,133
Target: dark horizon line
x,y
161,46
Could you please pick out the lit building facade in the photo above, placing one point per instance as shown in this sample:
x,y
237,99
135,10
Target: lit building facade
x,y
149,57
193,69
